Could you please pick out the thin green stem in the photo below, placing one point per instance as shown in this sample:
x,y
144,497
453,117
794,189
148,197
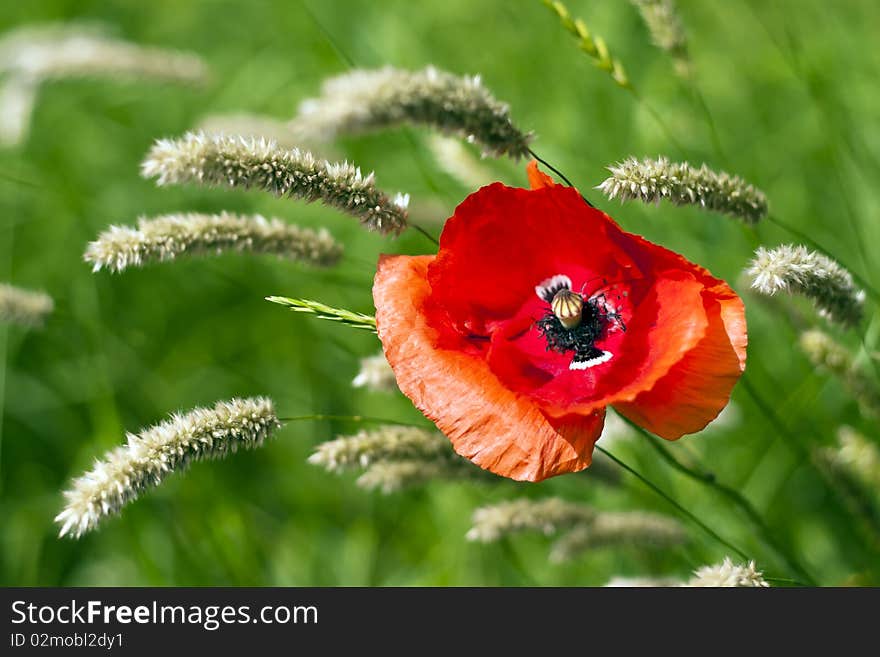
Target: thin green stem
x,y
339,50
667,131
558,173
708,479
768,412
551,167
425,233
702,525
710,121
792,441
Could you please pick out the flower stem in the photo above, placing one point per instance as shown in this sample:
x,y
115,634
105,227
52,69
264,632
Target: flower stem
x,y
710,121
424,232
667,132
558,173
711,532
708,479
792,441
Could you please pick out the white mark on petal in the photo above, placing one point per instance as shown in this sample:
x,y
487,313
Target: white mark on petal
x,y
604,357
548,288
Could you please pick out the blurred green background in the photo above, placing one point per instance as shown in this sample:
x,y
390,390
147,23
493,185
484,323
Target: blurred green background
x,y
792,89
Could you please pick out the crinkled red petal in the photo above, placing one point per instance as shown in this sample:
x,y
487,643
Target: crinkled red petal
x,y
664,327
502,241
696,388
537,178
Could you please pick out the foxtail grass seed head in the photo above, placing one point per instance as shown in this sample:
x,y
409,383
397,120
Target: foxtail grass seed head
x,y
367,100
376,375
666,29
797,270
166,237
238,162
18,94
35,54
72,50
594,46
858,457
151,455
826,353
24,307
651,181
852,468
550,515
393,476
386,443
618,529
728,574
861,455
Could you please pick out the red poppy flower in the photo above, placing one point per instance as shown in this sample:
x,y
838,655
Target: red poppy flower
x,y
539,311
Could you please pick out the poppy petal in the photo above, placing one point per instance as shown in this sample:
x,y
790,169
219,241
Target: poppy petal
x,y
487,423
698,387
501,242
537,178
665,327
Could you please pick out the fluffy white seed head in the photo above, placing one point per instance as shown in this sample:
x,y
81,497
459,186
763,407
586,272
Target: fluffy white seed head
x,y
826,354
728,574
169,236
396,457
825,351
366,100
618,529
251,163
18,94
385,443
393,476
860,455
32,55
666,29
490,523
151,455
24,307
797,270
856,461
651,181
375,374
74,50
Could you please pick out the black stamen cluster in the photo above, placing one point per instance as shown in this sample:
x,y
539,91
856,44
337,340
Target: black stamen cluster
x,y
581,339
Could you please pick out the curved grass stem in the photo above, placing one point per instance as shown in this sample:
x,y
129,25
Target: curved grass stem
x,y
708,479
659,491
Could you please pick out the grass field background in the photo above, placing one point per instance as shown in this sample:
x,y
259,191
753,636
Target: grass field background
x,y
791,87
